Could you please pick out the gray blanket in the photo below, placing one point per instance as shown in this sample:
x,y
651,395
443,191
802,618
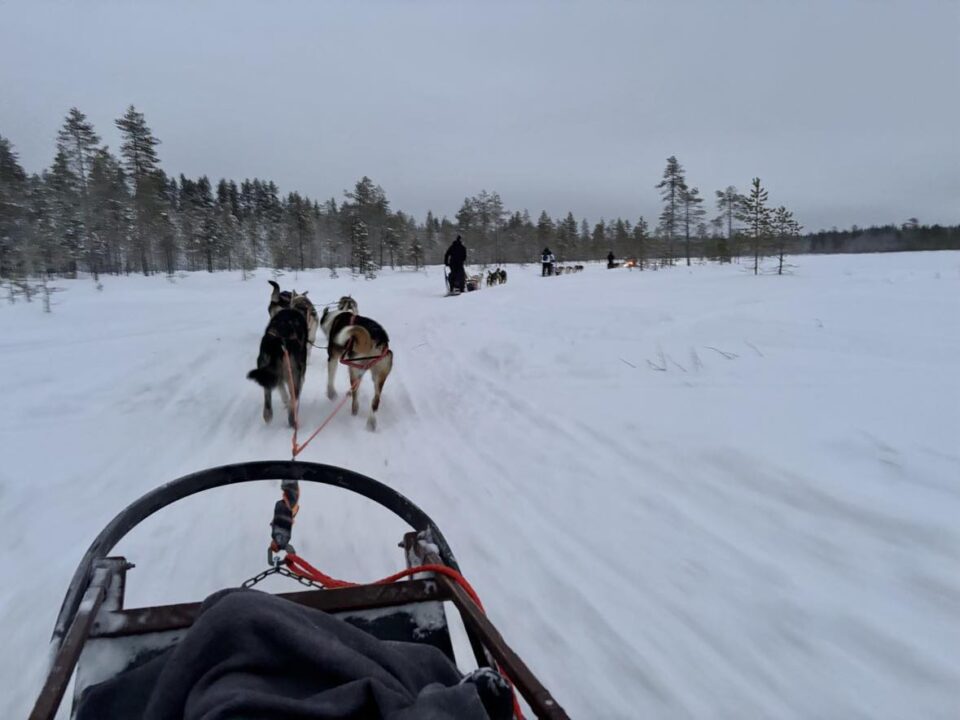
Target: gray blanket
x,y
253,655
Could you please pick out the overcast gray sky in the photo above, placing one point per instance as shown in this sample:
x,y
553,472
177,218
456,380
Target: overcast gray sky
x,y
849,110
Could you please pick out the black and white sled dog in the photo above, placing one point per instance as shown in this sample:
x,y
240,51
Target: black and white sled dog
x,y
354,337
287,329
281,299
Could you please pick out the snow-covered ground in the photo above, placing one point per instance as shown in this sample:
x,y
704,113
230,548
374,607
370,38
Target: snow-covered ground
x,y
684,493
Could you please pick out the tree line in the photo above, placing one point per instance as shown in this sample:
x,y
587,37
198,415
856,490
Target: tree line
x,y
99,212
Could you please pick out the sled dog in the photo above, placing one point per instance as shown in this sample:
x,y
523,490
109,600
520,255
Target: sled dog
x,y
359,340
295,301
287,329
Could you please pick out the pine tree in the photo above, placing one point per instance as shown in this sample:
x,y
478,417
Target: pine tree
x,y
391,239
369,203
544,230
621,237
14,214
331,233
139,154
466,217
496,214
361,258
66,214
299,225
229,229
567,233
671,189
753,210
415,253
728,200
139,147
692,215
784,229
584,238
703,239
599,238
109,203
78,144
207,236
640,238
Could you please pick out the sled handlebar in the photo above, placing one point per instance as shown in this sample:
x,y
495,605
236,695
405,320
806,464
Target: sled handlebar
x,y
203,480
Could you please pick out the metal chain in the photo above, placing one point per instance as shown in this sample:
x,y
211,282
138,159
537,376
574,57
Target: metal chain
x,y
300,579
246,584
279,570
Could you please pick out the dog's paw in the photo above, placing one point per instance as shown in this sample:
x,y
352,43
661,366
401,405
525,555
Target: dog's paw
x,y
372,423
267,414
291,419
331,393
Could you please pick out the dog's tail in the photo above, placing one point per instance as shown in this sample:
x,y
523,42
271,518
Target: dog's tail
x,y
362,341
262,376
266,373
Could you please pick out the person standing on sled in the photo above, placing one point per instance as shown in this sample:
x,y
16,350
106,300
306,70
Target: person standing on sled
x,y
611,260
547,259
454,259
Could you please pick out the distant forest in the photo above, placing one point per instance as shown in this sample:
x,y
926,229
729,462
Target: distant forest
x,y
98,212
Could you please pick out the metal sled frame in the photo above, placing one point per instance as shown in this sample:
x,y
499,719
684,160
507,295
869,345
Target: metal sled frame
x,y
92,618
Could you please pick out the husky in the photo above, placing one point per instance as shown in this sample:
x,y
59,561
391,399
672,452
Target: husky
x,y
287,329
279,300
501,276
291,299
354,337
493,277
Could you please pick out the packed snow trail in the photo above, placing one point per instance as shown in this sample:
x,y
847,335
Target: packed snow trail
x,y
684,493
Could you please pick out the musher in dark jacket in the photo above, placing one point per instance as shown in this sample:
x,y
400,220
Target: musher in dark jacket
x,y
454,259
547,259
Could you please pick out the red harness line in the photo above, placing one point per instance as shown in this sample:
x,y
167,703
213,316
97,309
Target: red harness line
x,y
363,365
304,569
